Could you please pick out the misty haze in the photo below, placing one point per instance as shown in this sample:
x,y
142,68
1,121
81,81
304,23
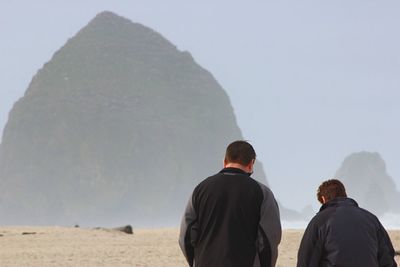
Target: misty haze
x,y
113,117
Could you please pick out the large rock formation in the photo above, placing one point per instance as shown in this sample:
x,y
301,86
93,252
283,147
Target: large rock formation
x,y
118,126
366,180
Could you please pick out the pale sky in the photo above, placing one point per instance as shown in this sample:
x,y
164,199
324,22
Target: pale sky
x,y
310,81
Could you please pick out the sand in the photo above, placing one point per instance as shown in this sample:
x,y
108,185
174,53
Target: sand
x,y
61,246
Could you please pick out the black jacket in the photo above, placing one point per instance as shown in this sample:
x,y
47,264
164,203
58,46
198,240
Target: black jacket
x,y
231,220
342,234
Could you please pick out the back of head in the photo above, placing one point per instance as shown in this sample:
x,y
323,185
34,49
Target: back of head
x,y
240,152
331,189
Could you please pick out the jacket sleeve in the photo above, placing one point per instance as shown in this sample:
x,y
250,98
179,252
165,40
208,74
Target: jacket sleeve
x,y
386,250
270,230
187,231
311,247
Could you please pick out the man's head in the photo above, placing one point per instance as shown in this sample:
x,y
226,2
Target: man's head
x,y
329,190
240,154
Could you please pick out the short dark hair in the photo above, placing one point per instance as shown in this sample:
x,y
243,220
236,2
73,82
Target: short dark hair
x,y
240,152
331,189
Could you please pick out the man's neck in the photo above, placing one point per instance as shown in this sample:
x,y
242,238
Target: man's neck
x,y
237,166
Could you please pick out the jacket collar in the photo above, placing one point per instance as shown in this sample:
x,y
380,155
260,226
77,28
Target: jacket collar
x,y
339,202
234,171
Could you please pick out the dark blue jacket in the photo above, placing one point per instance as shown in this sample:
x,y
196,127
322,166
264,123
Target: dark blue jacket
x,y
342,234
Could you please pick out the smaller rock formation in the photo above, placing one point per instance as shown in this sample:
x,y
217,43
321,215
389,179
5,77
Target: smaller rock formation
x,y
366,180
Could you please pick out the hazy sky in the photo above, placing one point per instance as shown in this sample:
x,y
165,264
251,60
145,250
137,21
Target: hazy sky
x,y
310,81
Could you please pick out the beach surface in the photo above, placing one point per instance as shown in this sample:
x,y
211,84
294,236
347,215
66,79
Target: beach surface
x,y
63,246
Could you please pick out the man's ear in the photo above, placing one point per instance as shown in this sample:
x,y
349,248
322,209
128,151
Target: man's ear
x,y
251,165
253,162
225,163
323,199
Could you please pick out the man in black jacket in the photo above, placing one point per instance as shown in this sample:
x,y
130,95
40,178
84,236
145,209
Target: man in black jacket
x,y
231,220
342,234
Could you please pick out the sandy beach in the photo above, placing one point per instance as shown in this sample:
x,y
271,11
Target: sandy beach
x,y
62,246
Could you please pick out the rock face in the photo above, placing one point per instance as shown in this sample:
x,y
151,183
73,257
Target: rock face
x,y
119,125
366,180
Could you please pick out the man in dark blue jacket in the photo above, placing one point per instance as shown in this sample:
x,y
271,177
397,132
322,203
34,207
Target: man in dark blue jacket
x,y
231,220
342,234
